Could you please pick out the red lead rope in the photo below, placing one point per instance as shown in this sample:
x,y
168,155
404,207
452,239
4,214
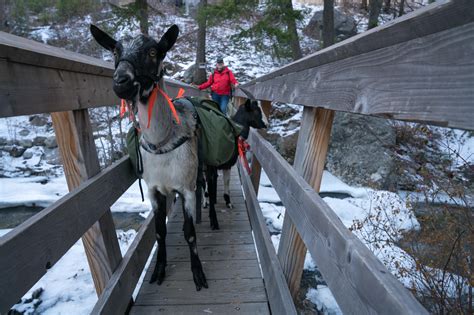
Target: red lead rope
x,y
243,147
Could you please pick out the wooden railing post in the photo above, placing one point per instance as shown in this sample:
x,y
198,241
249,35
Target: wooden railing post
x,y
311,150
256,166
79,157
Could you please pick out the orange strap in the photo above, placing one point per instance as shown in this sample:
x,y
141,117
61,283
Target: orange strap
x,y
123,108
170,104
180,93
243,147
151,103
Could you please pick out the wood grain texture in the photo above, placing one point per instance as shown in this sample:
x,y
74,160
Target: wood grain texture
x,y
426,79
63,80
278,293
229,260
436,17
311,151
205,309
46,237
214,269
116,295
219,292
80,162
358,280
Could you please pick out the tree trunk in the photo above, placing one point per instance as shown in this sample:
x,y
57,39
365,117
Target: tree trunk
x,y
200,72
387,6
143,15
363,5
401,8
328,23
374,12
3,15
291,24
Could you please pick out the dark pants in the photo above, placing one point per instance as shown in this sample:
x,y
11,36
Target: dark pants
x,y
222,100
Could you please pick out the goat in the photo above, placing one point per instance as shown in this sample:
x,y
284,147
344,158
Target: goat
x,y
248,115
168,143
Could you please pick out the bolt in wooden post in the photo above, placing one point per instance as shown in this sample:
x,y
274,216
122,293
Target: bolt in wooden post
x,y
311,150
80,162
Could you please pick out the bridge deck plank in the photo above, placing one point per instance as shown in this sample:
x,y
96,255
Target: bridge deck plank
x,y
229,260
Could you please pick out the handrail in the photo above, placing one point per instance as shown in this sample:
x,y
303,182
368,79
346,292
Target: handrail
x,y
29,250
358,280
415,68
38,78
279,296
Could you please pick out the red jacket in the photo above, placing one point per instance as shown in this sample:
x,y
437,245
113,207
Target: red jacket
x,y
220,82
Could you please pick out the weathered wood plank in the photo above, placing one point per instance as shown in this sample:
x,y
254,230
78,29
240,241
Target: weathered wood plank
x,y
184,292
80,162
214,270
63,81
426,79
213,252
278,293
223,213
228,226
208,239
231,308
358,280
436,17
310,157
116,296
45,237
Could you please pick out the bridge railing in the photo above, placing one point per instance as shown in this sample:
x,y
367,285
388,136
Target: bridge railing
x,y
415,68
37,78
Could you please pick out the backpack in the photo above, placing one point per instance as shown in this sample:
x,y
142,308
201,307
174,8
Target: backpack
x,y
217,133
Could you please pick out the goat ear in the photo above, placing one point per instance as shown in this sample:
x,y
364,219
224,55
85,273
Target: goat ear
x,y
169,38
102,38
247,105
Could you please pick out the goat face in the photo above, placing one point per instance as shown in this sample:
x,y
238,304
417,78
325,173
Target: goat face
x,y
250,115
138,64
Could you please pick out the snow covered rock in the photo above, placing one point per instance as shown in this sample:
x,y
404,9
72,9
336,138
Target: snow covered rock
x,y
345,26
50,142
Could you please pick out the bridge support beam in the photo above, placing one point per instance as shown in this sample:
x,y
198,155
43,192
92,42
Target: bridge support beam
x,y
311,151
80,161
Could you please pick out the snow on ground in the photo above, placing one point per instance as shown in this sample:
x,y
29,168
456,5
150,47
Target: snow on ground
x,y
384,207
67,288
31,191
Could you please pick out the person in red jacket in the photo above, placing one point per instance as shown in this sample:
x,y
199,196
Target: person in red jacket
x,y
221,82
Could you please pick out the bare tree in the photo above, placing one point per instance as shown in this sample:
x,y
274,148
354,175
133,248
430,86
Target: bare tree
x,y
291,24
374,12
328,23
142,14
200,71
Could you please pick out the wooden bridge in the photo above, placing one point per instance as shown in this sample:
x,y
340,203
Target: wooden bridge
x,y
417,68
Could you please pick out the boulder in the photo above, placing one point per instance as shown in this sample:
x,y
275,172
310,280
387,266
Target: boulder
x,y
345,26
39,140
4,141
28,154
52,157
15,151
50,142
188,75
359,150
38,120
26,143
24,132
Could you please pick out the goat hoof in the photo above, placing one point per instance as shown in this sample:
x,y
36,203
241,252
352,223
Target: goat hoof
x,y
229,205
158,274
199,278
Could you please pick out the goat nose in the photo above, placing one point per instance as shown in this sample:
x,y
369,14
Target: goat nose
x,y
122,78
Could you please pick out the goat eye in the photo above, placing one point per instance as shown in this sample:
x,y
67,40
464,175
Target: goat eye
x,y
152,53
